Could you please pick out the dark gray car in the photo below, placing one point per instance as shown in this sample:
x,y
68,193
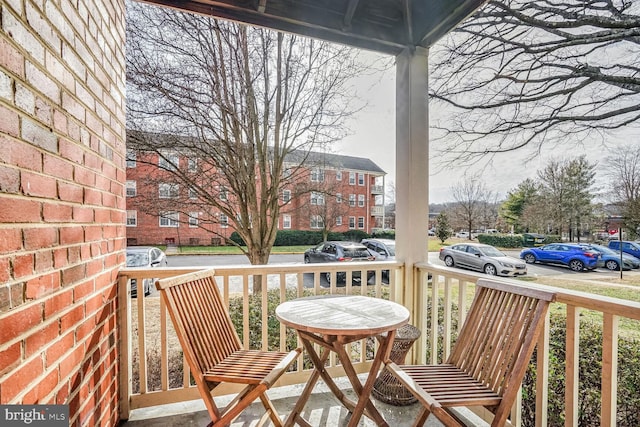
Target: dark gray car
x,y
335,251
480,257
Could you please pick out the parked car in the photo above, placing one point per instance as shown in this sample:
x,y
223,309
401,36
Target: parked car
x,y
631,248
463,235
578,257
382,250
611,258
335,251
145,257
481,257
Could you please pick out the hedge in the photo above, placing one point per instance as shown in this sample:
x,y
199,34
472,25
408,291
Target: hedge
x,y
303,237
501,240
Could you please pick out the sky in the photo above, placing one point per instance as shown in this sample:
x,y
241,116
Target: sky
x,y
373,135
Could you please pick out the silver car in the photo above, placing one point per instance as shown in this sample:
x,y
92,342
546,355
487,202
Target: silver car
x,y
147,257
485,258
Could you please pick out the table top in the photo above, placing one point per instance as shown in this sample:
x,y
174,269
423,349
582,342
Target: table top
x,y
342,314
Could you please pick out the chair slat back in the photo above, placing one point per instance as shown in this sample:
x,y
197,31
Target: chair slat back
x,y
500,333
202,322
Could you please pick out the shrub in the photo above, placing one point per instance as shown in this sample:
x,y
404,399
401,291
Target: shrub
x,y
501,240
552,238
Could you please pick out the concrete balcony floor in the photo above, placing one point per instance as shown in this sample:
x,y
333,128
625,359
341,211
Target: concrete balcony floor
x,y
322,409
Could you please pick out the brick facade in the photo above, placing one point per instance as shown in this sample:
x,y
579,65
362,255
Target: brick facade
x,y
62,203
358,189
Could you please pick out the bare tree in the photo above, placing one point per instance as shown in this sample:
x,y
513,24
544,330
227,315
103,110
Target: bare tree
x,y
471,197
527,73
624,173
567,193
237,100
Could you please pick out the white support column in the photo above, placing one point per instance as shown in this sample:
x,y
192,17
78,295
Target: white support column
x,y
412,170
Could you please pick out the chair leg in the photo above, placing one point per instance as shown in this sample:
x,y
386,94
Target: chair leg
x,y
271,410
422,417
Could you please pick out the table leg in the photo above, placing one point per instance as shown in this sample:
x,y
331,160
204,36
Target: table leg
x,y
365,405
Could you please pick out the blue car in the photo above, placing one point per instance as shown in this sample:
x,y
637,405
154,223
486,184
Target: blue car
x,y
631,248
578,257
611,258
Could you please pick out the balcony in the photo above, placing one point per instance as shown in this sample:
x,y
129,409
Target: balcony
x,y
159,383
377,189
377,210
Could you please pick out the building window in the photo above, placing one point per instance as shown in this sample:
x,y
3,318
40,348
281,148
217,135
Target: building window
x,y
317,175
316,221
317,198
132,158
169,219
352,199
168,160
193,219
168,191
352,178
223,220
360,222
339,221
360,179
361,200
286,221
132,188
338,197
352,222
286,196
338,175
193,194
286,173
192,164
132,218
223,193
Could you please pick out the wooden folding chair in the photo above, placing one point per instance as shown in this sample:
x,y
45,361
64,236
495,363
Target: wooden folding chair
x,y
214,351
489,359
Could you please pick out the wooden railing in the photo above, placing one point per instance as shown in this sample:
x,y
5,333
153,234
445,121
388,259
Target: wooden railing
x,y
162,376
145,328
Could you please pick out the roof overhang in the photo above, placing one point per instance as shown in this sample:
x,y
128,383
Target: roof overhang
x,y
386,26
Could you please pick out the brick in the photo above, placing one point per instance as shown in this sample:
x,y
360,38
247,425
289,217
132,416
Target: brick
x,y
63,394
70,192
5,298
58,348
16,322
41,389
71,362
17,382
11,59
60,122
43,111
10,240
84,214
23,37
57,212
10,357
42,83
57,303
92,197
39,136
71,151
6,87
44,261
71,319
9,122
20,154
40,338
59,258
39,238
5,271
37,185
42,27
25,99
57,167
86,328
73,107
43,284
9,180
73,274
17,294
82,290
23,265
94,303
102,216
71,235
19,210
84,176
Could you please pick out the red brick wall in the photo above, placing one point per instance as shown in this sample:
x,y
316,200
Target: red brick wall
x,y
61,203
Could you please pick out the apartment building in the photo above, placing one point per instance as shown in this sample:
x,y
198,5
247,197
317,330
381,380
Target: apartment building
x,y
336,192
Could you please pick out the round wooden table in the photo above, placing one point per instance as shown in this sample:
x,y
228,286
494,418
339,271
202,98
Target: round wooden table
x,y
331,321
